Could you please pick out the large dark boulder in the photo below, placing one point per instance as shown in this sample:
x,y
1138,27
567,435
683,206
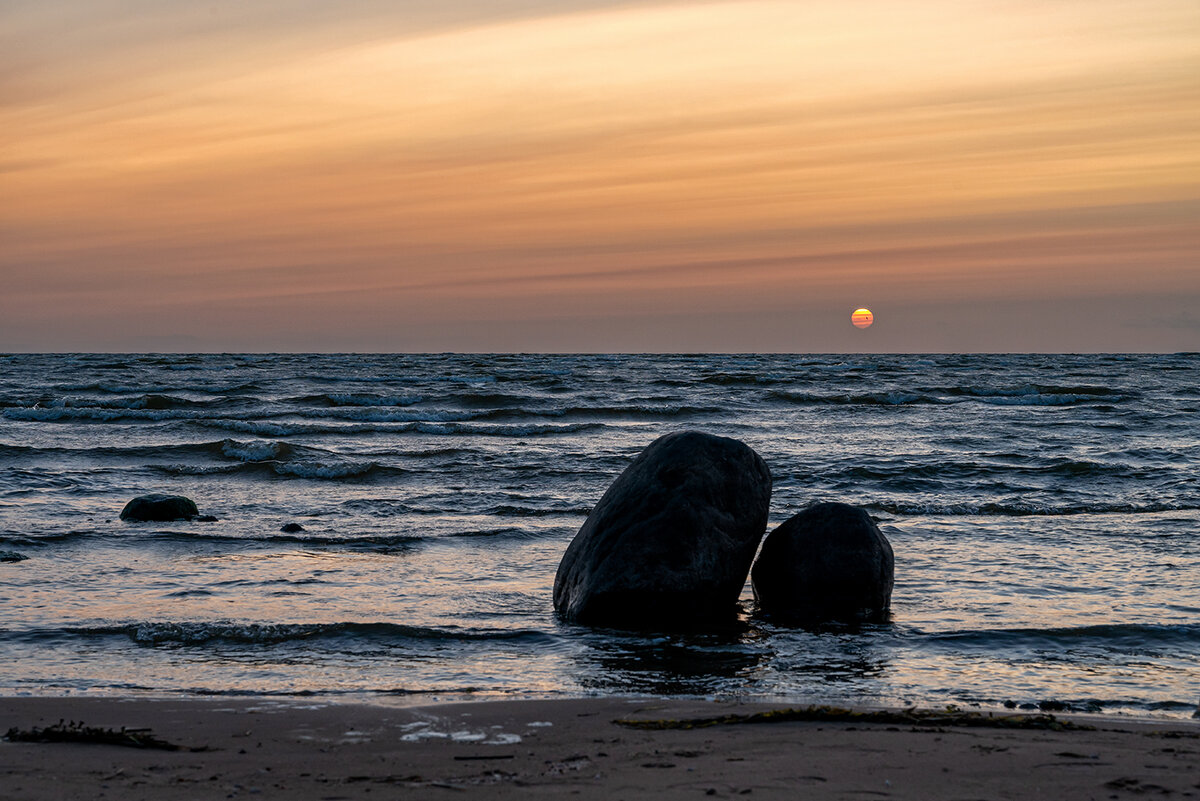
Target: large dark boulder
x,y
830,562
160,508
671,541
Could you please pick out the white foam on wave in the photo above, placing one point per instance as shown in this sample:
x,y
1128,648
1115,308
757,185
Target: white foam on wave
x,y
324,469
255,451
378,415
59,413
265,429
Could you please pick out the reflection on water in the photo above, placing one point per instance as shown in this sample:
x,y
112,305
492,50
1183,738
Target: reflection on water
x,y
687,664
752,657
850,655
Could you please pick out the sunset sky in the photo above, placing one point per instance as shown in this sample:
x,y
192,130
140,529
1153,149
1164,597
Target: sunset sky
x,y
537,175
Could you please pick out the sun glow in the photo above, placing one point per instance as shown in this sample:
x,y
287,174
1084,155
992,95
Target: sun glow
x,y
862,318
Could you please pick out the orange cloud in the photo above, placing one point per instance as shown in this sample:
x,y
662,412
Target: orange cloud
x,y
693,152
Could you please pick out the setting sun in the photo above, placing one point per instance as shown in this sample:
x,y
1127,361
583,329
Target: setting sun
x,y
862,318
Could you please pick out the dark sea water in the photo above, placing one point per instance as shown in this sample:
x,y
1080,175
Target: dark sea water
x,y
1044,511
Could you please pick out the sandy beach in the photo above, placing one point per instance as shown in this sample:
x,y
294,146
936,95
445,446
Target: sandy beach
x,y
515,749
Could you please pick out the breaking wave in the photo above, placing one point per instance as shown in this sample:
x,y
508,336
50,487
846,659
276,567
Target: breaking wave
x,y
218,632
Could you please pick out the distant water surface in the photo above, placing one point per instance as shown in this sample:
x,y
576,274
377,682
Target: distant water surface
x,y
1044,512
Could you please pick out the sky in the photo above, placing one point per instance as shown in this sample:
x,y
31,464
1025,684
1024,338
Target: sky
x,y
562,175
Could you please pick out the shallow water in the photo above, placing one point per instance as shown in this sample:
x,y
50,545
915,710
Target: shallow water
x,y
1043,511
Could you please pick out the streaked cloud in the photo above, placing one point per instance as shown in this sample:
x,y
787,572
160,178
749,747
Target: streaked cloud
x,y
596,157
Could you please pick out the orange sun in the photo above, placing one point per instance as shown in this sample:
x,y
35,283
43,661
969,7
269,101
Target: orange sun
x,y
862,318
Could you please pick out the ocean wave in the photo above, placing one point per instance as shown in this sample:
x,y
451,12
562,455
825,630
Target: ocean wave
x,y
391,508
55,414
147,400
262,428
373,414
630,411
509,510
196,633
1039,399
1025,390
317,470
356,399
382,414
941,397
429,453
377,543
280,429
259,450
966,509
947,470
334,470
528,430
1122,636
48,539
241,388
475,399
403,378
734,380
255,450
861,399
27,481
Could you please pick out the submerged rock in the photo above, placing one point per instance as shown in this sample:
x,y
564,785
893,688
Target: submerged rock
x,y
12,556
672,539
829,562
291,528
160,508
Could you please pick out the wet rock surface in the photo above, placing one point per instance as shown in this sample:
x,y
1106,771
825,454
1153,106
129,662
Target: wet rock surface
x,y
829,562
160,508
671,541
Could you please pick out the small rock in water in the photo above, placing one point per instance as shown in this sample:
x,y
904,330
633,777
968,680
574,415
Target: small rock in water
x,y
12,556
291,528
672,539
160,508
204,519
829,562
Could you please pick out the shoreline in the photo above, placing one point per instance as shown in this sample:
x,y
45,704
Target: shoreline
x,y
322,749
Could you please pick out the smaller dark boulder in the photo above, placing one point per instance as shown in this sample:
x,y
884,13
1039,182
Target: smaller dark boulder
x,y
160,508
291,528
12,556
205,519
829,562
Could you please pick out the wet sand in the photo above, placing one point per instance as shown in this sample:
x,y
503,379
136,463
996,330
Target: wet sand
x,y
573,748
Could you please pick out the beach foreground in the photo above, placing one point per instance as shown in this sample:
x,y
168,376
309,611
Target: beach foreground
x,y
516,749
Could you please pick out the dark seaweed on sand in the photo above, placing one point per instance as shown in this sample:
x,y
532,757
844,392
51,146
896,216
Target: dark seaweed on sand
x,y
76,732
833,714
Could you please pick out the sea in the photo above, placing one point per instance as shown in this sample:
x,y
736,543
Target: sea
x,y
1044,511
